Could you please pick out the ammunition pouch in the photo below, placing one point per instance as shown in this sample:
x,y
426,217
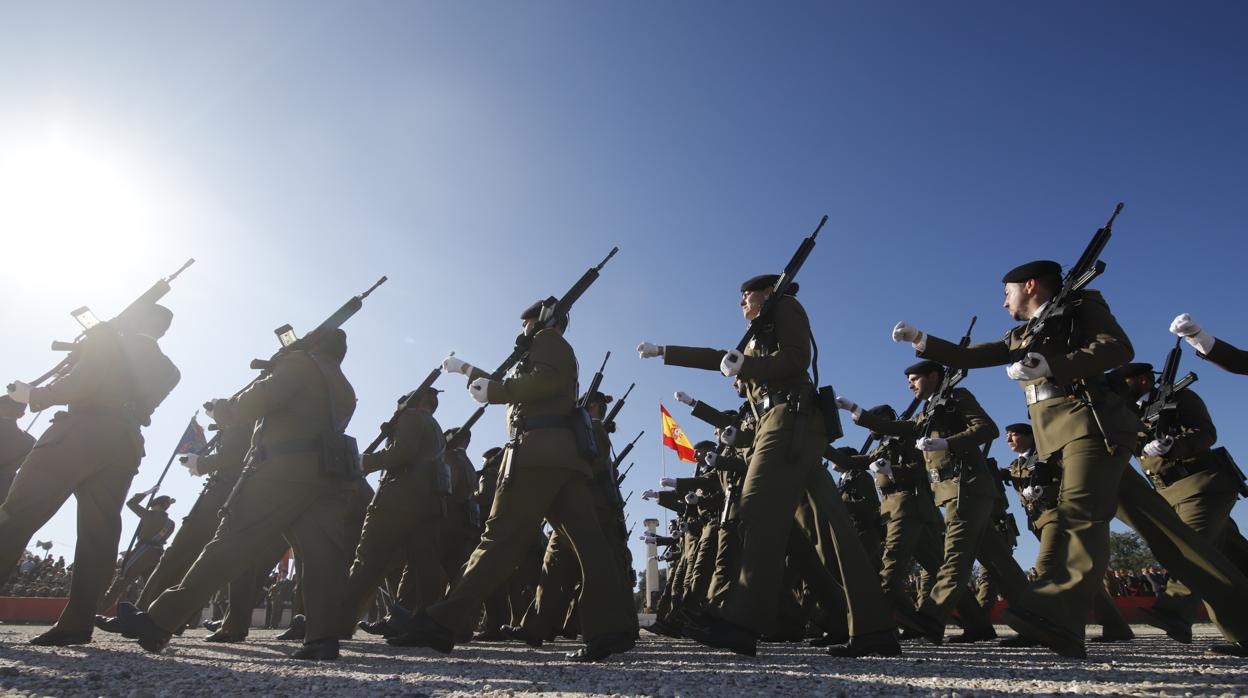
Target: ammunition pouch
x,y
1228,464
340,457
826,399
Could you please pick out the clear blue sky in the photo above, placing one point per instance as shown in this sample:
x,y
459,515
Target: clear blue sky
x,y
484,154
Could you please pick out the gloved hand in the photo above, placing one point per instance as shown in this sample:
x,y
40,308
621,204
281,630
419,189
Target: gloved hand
x,y
480,389
905,332
1032,491
931,443
647,538
729,435
849,406
209,406
649,494
1032,366
1159,447
1186,326
451,364
646,350
667,482
692,498
684,397
191,463
881,466
19,392
711,458
731,364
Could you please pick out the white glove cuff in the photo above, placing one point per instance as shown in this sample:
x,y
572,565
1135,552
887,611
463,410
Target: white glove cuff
x,y
1202,341
921,344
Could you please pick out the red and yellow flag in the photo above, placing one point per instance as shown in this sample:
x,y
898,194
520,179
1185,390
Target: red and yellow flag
x,y
674,437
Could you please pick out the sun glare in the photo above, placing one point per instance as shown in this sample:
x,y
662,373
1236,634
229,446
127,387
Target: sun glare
x,y
73,206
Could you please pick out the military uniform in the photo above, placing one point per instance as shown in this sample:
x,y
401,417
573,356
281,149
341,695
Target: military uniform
x,y
92,451
962,485
1228,356
285,490
405,516
1194,480
223,467
1079,350
461,529
543,475
857,489
154,529
784,474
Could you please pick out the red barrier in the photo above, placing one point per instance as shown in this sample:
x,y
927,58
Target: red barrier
x,y
31,609
1127,606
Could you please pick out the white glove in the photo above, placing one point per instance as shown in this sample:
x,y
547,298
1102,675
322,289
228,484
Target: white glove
x,y
930,443
849,406
731,364
667,482
692,498
451,364
480,389
19,392
729,435
649,494
1186,326
881,467
1159,447
1032,366
191,463
647,538
905,332
1031,491
711,458
646,350
684,397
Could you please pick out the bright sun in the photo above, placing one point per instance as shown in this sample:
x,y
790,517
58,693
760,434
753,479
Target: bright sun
x,y
73,204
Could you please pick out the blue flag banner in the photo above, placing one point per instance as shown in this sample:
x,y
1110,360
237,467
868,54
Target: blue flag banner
x,y
193,440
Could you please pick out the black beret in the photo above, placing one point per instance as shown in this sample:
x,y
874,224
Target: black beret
x,y
598,398
430,391
763,282
1133,369
163,499
885,411
923,368
534,311
491,452
704,445
1019,428
1032,270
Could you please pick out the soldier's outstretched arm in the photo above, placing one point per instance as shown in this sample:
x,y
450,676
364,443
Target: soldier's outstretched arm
x,y
888,427
977,355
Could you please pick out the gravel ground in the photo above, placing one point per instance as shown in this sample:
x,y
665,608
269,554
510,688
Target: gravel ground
x,y
1152,665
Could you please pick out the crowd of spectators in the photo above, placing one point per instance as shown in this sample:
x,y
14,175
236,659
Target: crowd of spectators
x,y
1147,581
39,576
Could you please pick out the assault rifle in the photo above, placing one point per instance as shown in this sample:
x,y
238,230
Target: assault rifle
x,y
91,324
944,394
387,428
624,454
291,342
596,382
608,422
781,286
1159,411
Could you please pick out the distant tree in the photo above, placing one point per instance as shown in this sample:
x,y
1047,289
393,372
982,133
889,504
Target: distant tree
x,y
1127,551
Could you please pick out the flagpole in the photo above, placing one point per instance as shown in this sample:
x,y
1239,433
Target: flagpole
x,y
156,488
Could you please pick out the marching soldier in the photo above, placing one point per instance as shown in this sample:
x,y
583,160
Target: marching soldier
x,y
1037,485
406,514
155,527
1075,415
1194,479
91,450
951,438
546,473
15,444
783,475
297,483
461,530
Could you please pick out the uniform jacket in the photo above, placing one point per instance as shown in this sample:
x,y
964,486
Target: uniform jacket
x,y
1080,348
1194,436
1228,357
414,454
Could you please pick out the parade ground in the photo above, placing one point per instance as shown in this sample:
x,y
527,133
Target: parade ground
x,y
1152,665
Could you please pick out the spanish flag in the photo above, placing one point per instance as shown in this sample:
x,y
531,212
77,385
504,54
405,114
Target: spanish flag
x,y
674,437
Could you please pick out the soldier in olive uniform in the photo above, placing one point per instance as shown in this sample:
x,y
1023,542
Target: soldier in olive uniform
x,y
461,529
857,489
1215,349
154,529
951,437
405,517
293,485
15,444
91,450
498,604
1194,479
1037,485
783,475
545,474
1075,415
